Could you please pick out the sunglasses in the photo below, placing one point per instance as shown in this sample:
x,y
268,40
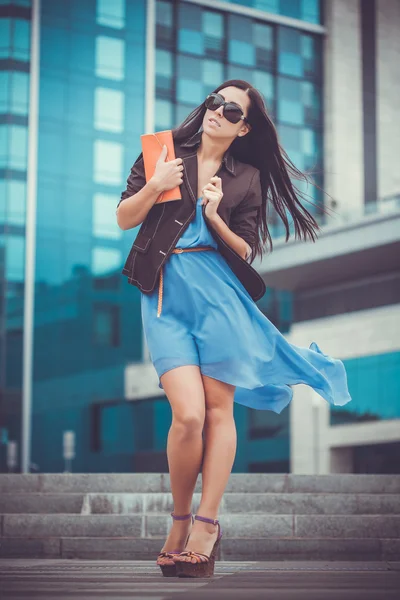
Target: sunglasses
x,y
232,112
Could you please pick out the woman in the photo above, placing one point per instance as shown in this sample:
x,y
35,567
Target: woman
x,y
209,342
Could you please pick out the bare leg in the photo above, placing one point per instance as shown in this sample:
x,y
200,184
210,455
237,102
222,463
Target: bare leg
x,y
219,455
184,389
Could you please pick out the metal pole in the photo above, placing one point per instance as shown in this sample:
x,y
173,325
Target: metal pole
x,y
30,240
149,102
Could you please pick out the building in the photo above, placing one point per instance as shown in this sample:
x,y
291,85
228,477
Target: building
x,y
82,81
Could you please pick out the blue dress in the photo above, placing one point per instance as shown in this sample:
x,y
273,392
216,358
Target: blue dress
x,y
209,319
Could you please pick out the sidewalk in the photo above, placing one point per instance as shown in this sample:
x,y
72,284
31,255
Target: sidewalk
x,y
114,580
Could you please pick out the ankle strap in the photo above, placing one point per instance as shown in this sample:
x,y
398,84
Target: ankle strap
x,y
181,517
206,520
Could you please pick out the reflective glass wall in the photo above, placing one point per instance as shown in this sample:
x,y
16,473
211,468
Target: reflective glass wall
x,y
369,378
15,34
306,10
87,323
197,48
87,317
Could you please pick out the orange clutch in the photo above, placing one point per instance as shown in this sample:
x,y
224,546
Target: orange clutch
x,y
152,144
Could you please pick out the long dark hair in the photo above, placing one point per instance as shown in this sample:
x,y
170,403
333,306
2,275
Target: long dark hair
x,y
261,148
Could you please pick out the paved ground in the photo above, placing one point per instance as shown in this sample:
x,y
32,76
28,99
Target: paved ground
x,y
114,580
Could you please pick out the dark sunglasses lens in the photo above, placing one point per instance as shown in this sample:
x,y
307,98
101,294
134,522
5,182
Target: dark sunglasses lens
x,y
232,113
213,102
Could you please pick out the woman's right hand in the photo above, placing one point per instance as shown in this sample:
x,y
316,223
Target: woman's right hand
x,y
167,175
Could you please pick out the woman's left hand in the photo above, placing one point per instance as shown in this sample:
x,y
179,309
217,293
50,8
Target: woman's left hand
x,y
212,196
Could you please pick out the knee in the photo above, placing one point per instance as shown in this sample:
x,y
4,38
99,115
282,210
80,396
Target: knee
x,y
188,424
217,414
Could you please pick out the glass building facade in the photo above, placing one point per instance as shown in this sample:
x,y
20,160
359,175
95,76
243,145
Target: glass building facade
x,y
285,64
91,81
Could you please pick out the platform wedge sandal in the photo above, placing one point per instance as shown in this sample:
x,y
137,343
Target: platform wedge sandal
x,y
204,565
168,568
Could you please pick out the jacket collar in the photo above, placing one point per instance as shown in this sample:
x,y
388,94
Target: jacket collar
x,y
228,159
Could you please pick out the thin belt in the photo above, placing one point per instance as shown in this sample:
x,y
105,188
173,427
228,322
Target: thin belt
x,y
176,251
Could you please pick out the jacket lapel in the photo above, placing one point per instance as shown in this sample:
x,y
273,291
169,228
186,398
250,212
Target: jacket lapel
x,y
190,175
188,152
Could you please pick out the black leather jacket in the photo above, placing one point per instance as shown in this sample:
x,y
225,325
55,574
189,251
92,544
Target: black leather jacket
x,y
166,222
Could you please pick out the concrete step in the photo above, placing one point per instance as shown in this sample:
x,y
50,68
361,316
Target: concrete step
x,y
161,502
268,549
263,517
234,525
159,482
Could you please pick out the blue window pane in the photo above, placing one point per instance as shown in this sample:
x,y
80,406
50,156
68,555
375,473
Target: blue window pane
x,y
51,152
80,102
264,82
190,41
311,103
213,24
18,147
3,202
213,30
310,11
290,8
290,108
106,260
264,43
164,65
241,48
237,72
80,54
78,156
5,37
15,258
106,328
271,6
17,2
298,102
213,72
4,135
164,15
311,50
109,110
104,222
289,49
111,13
108,162
164,71
306,10
190,89
190,34
241,53
21,40
370,377
298,53
164,23
163,115
110,58
182,111
54,94
16,196
291,140
190,80
19,93
303,146
5,85
189,68
55,46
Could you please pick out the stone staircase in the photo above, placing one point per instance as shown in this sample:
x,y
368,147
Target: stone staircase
x,y
263,517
